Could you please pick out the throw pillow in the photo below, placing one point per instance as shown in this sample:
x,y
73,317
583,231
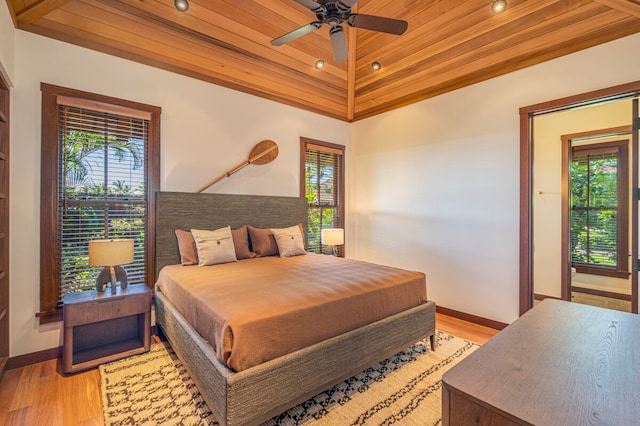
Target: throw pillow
x,y
289,241
214,247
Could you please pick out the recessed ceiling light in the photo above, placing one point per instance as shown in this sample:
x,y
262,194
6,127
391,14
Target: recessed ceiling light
x,y
376,66
319,64
181,5
498,6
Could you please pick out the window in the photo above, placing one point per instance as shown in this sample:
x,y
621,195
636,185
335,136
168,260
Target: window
x,y
100,171
322,183
599,208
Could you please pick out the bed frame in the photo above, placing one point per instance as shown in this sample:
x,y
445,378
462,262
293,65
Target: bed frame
x,y
253,396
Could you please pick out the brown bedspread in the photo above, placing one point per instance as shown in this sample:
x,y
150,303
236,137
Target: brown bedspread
x,y
255,310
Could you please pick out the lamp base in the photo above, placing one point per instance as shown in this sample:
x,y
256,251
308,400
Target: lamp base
x,y
110,275
330,251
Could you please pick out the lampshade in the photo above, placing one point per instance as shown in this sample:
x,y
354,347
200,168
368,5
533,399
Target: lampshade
x,y
332,236
110,252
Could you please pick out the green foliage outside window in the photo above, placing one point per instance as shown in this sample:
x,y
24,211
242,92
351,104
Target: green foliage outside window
x,y
80,146
320,193
323,187
84,218
594,212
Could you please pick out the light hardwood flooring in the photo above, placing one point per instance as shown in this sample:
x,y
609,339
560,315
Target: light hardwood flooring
x,y
39,395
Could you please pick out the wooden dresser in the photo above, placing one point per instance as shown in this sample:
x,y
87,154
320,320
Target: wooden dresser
x,y
561,363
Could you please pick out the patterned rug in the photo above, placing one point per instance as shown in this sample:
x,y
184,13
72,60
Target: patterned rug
x,y
155,389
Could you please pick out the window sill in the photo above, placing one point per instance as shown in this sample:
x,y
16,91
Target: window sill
x,y
50,316
603,271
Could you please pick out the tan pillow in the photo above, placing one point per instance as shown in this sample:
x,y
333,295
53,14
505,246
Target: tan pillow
x,y
214,247
263,242
241,243
187,247
289,241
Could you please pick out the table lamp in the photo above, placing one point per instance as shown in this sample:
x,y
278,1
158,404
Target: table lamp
x,y
111,254
332,237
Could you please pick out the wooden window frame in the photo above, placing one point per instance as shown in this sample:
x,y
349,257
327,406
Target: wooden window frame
x,y
306,143
50,310
622,232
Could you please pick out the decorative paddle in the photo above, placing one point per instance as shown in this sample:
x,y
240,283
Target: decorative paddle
x,y
262,153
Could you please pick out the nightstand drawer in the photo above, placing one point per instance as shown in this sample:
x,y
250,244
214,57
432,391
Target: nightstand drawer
x,y
106,308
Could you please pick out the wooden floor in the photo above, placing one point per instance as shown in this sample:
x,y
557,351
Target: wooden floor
x,y
39,395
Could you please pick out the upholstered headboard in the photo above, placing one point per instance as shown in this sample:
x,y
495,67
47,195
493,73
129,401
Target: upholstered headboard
x,y
187,210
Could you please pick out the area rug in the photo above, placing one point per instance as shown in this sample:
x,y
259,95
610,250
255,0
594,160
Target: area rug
x,y
155,389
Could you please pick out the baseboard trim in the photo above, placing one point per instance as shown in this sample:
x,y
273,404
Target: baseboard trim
x,y
537,296
34,358
42,356
486,322
602,293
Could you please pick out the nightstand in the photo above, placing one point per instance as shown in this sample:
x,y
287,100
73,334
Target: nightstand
x,y
99,327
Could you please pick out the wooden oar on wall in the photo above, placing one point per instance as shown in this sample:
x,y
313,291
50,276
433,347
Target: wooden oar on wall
x,y
262,153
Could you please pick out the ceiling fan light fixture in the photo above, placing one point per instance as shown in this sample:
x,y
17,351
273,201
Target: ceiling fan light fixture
x,y
319,64
375,65
181,5
498,6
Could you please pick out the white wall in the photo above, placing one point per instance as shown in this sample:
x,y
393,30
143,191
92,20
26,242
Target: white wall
x,y
547,225
435,185
7,44
206,130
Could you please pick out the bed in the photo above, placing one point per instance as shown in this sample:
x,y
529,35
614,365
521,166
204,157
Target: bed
x,y
255,392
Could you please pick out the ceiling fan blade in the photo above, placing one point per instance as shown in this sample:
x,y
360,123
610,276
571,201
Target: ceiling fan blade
x,y
339,44
296,33
378,23
309,4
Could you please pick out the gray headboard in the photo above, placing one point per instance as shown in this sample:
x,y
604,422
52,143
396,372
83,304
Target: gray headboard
x,y
186,210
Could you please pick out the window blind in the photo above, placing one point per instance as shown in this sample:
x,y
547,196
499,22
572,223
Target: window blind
x,y
323,189
595,204
102,191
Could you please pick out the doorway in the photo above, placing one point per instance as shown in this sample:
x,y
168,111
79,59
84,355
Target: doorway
x,y
596,216
528,191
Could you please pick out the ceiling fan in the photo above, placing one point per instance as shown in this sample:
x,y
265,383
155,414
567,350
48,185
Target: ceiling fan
x,y
334,13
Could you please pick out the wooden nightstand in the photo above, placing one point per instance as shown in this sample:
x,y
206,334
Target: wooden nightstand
x,y
99,327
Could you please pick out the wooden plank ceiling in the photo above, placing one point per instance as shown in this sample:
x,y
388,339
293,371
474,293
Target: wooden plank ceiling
x,y
449,44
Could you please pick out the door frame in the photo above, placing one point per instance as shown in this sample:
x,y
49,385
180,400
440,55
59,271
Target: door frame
x,y
623,91
5,136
